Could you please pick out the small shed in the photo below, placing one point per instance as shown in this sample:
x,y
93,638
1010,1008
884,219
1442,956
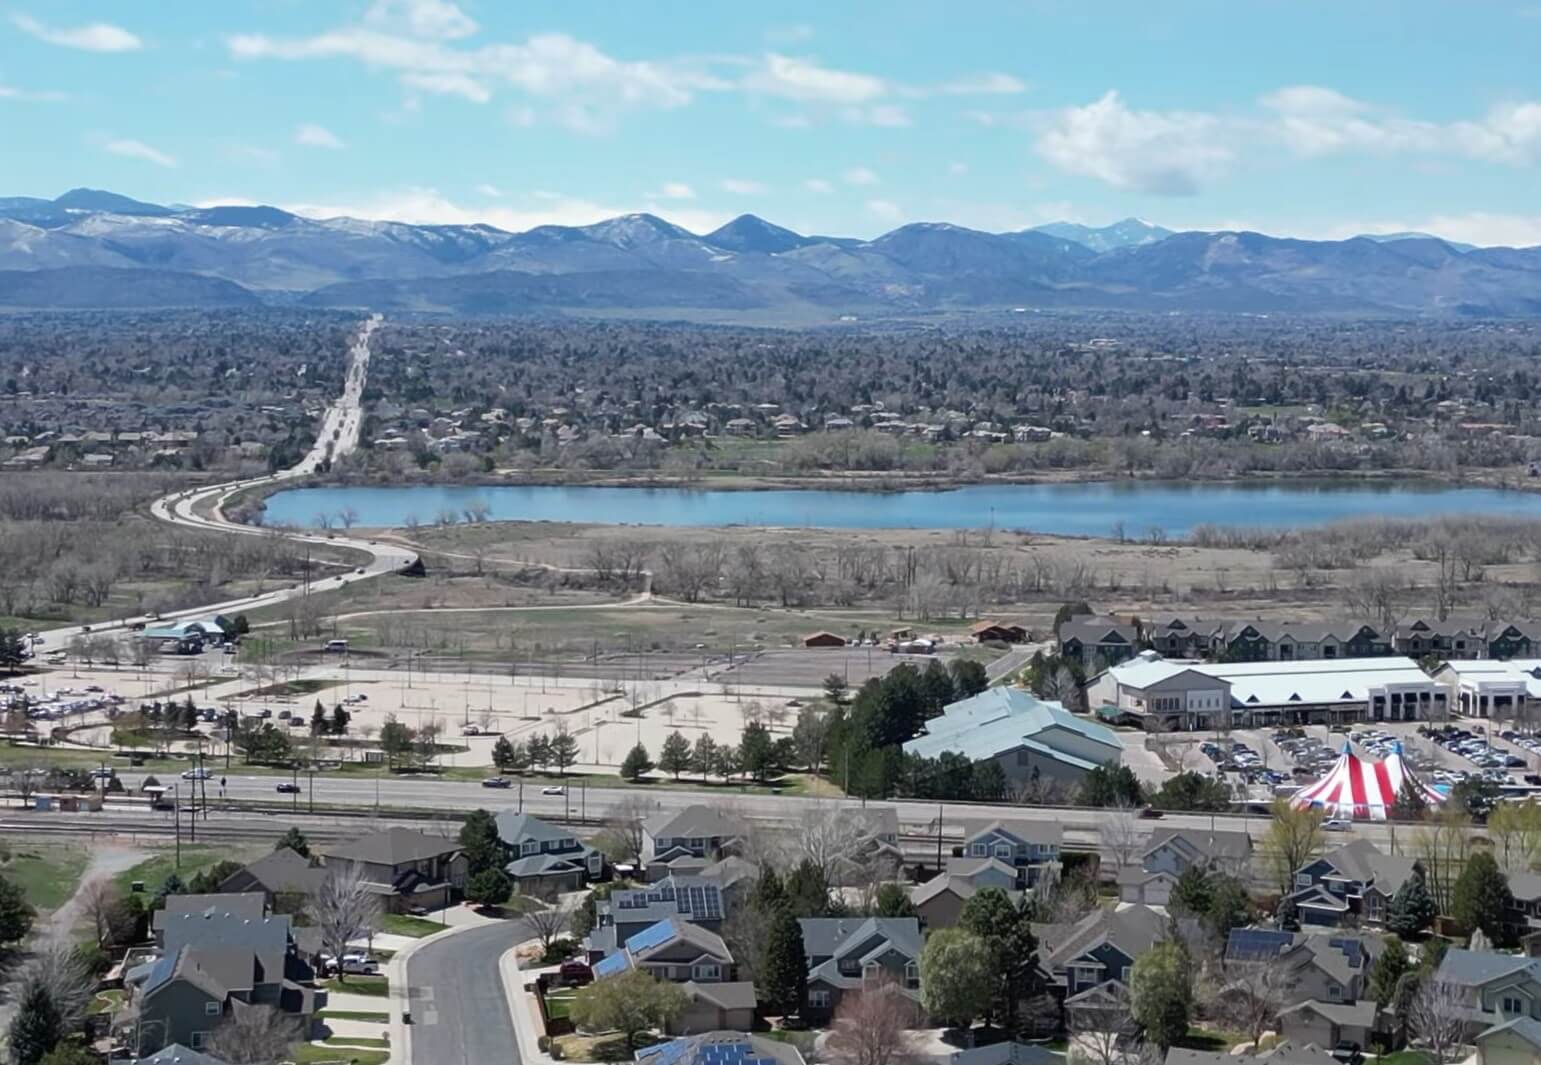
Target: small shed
x,y
823,639
998,632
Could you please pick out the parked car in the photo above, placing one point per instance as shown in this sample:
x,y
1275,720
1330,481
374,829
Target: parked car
x,y
1347,1052
287,787
574,973
497,782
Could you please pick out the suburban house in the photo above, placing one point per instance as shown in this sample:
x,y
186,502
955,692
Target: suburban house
x,y
1098,642
1031,848
215,955
1494,988
1029,738
720,1048
284,877
716,1007
998,632
1283,1053
1514,1042
689,840
1355,878
939,901
1170,852
629,911
672,950
1323,967
545,860
406,868
177,1054
849,954
874,847
1077,959
1326,1024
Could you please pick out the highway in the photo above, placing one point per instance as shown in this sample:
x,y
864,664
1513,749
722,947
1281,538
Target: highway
x,y
460,1010
337,436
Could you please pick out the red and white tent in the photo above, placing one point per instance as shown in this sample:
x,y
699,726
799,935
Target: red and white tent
x,y
1361,790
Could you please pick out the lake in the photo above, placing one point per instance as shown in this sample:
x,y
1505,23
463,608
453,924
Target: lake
x,y
1068,509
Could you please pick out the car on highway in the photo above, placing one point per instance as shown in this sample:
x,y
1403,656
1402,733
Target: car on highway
x,y
287,787
1150,813
497,782
196,773
1337,824
553,789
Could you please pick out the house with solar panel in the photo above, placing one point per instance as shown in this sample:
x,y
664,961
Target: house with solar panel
x,y
1324,967
1356,879
1030,848
689,840
720,1048
847,955
629,911
545,860
215,956
687,954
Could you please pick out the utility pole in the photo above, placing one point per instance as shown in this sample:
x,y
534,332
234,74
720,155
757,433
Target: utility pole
x,y
176,824
939,838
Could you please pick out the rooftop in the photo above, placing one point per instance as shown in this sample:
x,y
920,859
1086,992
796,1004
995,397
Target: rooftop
x,y
1003,719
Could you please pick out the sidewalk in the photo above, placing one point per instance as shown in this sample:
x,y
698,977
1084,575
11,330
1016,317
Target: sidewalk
x,y
522,1009
457,919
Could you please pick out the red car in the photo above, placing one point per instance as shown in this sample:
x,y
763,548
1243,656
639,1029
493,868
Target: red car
x,y
1150,813
575,973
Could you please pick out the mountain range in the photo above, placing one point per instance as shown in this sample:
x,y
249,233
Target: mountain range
x,y
90,248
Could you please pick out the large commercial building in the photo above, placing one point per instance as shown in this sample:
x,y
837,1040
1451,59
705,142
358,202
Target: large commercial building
x,y
1027,736
1164,695
1485,687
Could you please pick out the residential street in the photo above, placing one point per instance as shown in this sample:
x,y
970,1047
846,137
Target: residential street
x,y
460,1011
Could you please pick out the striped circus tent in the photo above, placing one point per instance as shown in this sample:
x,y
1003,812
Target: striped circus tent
x,y
1357,789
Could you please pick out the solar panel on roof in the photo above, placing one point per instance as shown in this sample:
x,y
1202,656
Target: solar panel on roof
x,y
650,936
1351,948
1256,942
615,963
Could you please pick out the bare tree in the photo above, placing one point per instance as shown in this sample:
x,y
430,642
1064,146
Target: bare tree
x,y
254,1035
1107,1033
98,899
58,968
342,910
621,838
348,517
25,776
1437,1017
873,1028
1251,995
547,924
1121,838
1441,846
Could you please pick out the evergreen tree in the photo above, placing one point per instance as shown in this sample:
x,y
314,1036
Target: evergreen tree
x,y
1161,986
1006,931
37,1026
636,765
172,885
754,751
318,719
703,759
807,890
70,1053
1481,897
968,677
1410,805
893,901
782,975
1230,905
1387,971
540,751
836,690
1412,909
490,887
768,892
340,720
674,757
1111,785
936,688
16,913
1193,893
564,750
295,840
480,842
989,781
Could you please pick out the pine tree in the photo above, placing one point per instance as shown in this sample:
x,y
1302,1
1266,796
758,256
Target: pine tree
x,y
1481,896
675,755
703,759
502,753
782,975
1412,909
16,913
807,890
318,719
479,840
1387,971
37,1026
563,751
294,840
1410,805
636,765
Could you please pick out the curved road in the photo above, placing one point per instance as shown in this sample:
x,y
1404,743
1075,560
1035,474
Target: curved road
x,y
337,436
460,1010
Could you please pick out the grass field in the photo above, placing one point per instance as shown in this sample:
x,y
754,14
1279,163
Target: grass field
x,y
311,1054
153,871
401,924
46,874
355,1041
373,986
354,1015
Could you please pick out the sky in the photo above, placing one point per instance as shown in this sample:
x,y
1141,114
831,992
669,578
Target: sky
x,y
1295,118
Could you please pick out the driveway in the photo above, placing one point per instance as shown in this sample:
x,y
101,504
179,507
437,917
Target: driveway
x,y
460,1011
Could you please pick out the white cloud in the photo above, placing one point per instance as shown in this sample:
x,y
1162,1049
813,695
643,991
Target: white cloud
x,y
314,136
790,34
802,79
490,191
890,116
988,84
860,175
957,169
884,209
744,188
435,19
818,185
132,149
676,190
93,37
792,122
1167,153
251,154
447,83
31,96
1483,228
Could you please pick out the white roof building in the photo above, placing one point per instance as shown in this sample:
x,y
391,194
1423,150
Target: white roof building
x,y
1486,687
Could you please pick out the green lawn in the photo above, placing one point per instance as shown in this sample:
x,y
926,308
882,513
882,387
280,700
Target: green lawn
x,y
106,1002
311,1054
559,1004
195,858
401,924
355,1041
1403,1057
1210,1039
46,874
354,1015
373,986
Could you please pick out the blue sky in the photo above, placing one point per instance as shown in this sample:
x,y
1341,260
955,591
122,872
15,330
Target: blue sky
x,y
1296,118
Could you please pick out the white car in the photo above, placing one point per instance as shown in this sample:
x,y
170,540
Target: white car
x,y
1337,824
199,773
553,789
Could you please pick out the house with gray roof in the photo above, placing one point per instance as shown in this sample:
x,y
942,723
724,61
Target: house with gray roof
x,y
1030,739
284,876
1327,966
405,867
673,950
716,1006
1176,850
849,954
1357,878
689,840
1494,988
1516,1041
1285,1053
177,1054
1327,1024
1098,642
939,901
1078,959
543,859
1031,848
